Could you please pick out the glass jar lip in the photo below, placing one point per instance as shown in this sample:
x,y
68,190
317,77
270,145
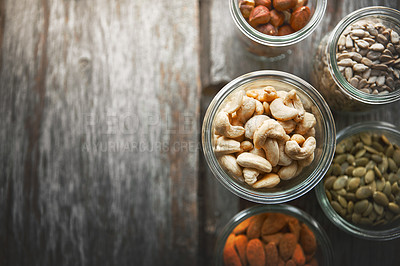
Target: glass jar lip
x,y
321,236
333,216
277,41
333,39
270,197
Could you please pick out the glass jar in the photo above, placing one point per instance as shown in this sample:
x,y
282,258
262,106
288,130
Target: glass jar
x,y
324,253
324,135
326,76
274,47
392,229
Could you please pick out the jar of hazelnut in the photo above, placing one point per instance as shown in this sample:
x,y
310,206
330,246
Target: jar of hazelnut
x,y
270,28
357,66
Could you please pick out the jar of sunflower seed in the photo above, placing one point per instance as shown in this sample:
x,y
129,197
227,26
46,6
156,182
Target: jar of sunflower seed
x,y
357,66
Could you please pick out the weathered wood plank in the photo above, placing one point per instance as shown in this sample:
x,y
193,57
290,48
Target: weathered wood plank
x,y
99,139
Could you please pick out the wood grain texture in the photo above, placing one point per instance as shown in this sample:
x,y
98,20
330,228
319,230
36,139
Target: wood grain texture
x,y
99,106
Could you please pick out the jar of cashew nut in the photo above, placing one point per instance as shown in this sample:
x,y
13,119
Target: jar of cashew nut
x,y
268,136
357,66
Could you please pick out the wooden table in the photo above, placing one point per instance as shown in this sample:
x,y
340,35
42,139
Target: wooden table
x,y
101,104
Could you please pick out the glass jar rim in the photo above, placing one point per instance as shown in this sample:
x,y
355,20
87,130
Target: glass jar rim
x,y
333,216
270,197
277,41
341,82
321,236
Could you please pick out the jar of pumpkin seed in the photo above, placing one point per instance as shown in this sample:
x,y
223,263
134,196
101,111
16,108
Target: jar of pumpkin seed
x,y
360,193
356,67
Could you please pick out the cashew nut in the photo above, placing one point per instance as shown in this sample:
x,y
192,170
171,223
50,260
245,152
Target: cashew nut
x,y
249,160
224,145
246,145
246,110
307,161
266,108
288,125
306,124
284,160
233,102
288,172
224,128
271,150
269,129
294,151
259,152
252,124
282,112
267,181
228,162
250,175
310,133
259,108
265,94
298,138
282,94
293,100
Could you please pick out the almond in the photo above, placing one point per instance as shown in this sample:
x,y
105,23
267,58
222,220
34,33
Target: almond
x,y
242,227
290,263
274,223
298,255
277,18
266,3
282,5
240,245
267,29
285,30
294,227
255,253
254,229
281,262
300,17
287,246
271,254
307,240
259,15
229,252
313,262
275,238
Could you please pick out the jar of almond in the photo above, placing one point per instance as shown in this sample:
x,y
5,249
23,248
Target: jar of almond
x,y
270,28
357,66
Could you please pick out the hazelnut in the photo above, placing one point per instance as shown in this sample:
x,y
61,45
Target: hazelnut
x,y
285,30
259,15
268,29
282,5
300,17
277,18
246,10
247,3
300,3
266,3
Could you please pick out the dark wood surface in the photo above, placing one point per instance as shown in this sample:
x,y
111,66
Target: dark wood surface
x,y
101,104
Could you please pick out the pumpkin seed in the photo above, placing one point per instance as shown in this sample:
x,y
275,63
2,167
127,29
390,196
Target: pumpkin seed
x,y
387,189
396,157
360,206
353,183
355,218
378,209
359,171
336,169
349,170
361,161
377,158
363,192
380,198
340,182
351,196
369,176
393,207
342,201
350,207
369,209
366,138
392,165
